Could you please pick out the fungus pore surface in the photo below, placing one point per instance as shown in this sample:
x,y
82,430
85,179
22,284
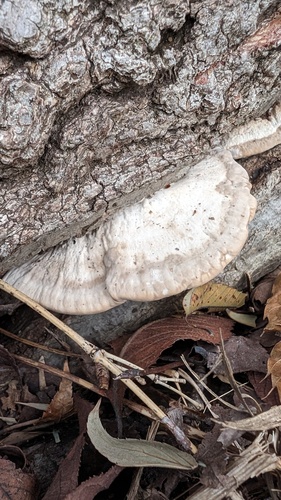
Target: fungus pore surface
x,y
179,238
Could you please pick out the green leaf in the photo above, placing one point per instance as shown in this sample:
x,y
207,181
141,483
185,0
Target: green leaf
x,y
134,452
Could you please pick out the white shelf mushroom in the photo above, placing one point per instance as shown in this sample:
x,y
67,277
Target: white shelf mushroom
x,y
256,136
179,238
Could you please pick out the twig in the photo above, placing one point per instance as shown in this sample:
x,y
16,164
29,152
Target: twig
x,y
229,405
101,356
197,388
60,373
252,462
98,356
37,345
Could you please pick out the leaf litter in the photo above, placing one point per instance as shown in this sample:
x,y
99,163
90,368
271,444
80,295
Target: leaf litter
x,y
203,378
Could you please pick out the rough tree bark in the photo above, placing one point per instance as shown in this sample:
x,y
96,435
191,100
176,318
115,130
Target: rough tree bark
x,y
103,102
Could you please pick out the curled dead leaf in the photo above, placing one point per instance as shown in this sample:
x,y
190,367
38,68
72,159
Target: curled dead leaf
x,y
274,367
146,344
243,318
263,290
214,297
62,402
16,484
273,307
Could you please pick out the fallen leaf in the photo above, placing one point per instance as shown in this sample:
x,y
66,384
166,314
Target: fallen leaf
x,y
263,290
36,406
66,480
14,392
214,457
16,484
14,454
134,452
243,318
62,402
273,313
214,297
274,367
244,355
146,344
90,488
263,388
273,307
250,463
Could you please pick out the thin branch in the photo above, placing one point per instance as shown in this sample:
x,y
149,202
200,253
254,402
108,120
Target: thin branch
x,y
101,356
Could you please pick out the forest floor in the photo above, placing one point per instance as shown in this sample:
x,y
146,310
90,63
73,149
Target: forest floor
x,y
196,416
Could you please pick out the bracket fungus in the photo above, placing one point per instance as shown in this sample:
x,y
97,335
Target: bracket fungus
x,y
256,136
179,238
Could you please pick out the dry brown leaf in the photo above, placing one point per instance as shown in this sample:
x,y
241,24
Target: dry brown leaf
x,y
214,297
146,344
263,388
214,457
263,290
10,379
90,488
243,353
118,343
62,402
273,307
66,480
14,393
273,313
253,461
15,455
274,367
14,483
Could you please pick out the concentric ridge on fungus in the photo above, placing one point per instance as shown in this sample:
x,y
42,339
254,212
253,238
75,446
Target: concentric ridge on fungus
x,y
178,238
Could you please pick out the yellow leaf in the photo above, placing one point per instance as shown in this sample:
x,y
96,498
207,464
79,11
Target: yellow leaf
x,y
214,297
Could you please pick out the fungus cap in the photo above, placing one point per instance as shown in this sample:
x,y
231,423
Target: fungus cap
x,y
179,238
256,136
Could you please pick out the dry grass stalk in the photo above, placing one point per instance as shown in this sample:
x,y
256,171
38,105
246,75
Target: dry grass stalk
x,y
104,358
252,462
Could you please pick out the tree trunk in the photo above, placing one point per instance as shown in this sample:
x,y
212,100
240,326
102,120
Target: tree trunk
x,y
104,102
